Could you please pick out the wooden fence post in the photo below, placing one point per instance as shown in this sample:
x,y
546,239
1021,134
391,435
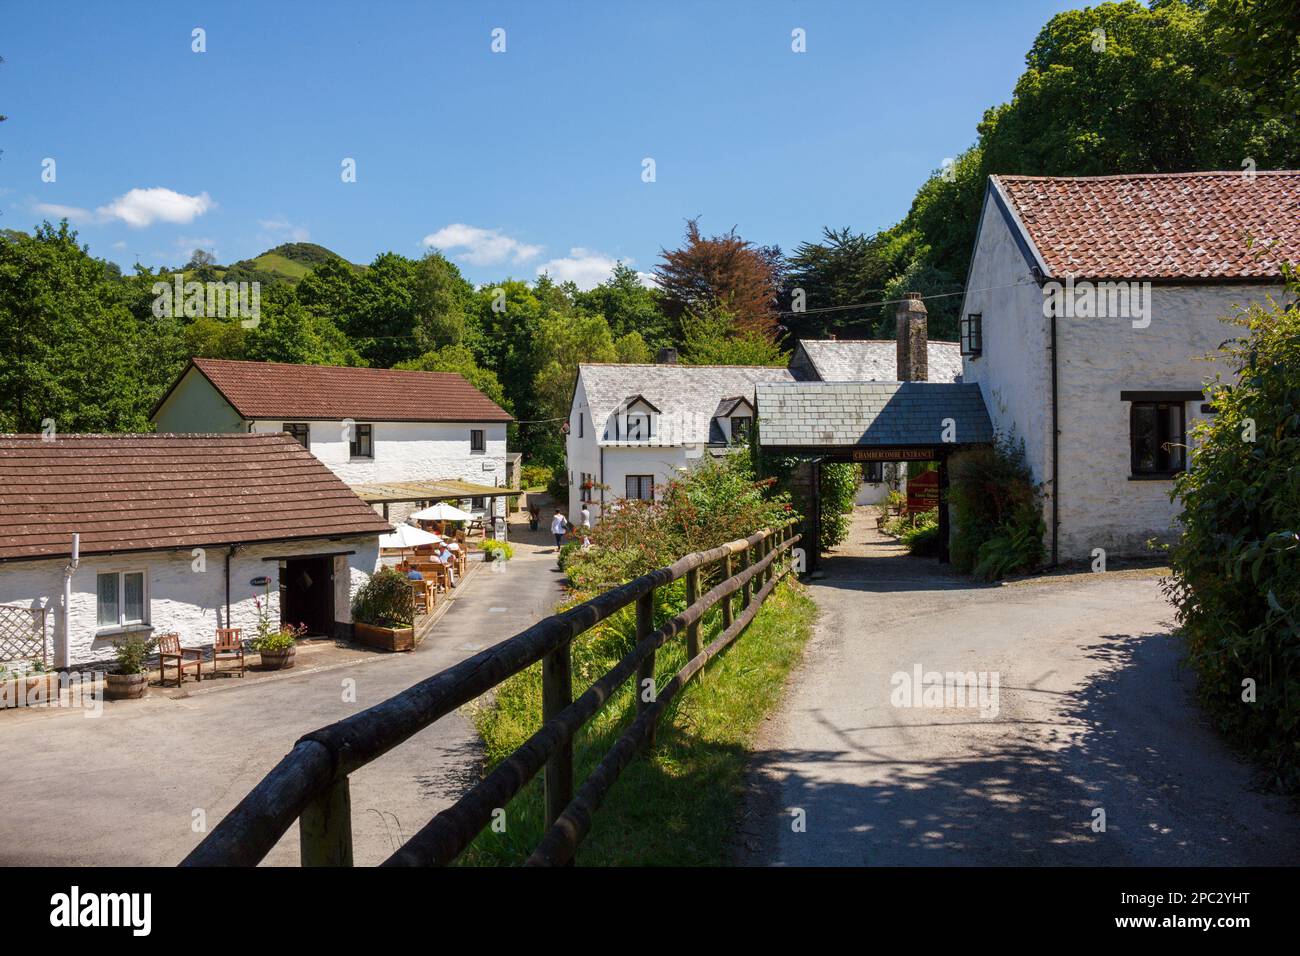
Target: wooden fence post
x,y
749,586
692,629
325,828
727,615
557,694
645,624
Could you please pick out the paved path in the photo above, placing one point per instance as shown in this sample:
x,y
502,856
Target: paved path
x,y
1095,711
123,789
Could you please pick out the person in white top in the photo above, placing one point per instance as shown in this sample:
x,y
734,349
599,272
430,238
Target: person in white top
x,y
446,557
559,525
585,523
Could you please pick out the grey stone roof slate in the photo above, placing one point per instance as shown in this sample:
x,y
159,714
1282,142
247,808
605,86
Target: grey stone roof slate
x,y
686,395
869,413
876,360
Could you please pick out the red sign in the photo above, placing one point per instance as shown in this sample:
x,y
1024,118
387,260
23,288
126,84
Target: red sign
x,y
923,492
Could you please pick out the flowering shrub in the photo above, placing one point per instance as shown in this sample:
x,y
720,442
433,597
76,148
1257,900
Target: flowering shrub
x,y
716,501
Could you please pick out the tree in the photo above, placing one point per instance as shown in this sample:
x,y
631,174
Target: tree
x,y
74,353
439,297
629,306
632,349
723,271
844,269
563,341
289,332
713,336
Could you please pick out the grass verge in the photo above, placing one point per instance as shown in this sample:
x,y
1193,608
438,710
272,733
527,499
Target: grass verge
x,y
678,805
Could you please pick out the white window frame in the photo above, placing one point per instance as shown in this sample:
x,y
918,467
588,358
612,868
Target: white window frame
x,y
122,623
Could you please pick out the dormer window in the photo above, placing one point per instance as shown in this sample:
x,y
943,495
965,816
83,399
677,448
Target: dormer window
x,y
740,425
638,419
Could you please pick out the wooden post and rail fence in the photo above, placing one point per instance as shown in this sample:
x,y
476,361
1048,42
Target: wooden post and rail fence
x,y
310,783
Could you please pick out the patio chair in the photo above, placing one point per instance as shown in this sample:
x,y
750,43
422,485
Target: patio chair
x,y
229,646
169,649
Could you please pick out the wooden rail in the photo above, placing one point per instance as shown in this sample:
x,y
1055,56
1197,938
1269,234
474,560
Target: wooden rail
x,y
310,783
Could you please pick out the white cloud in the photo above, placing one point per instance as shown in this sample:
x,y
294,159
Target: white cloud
x,y
56,211
143,207
584,267
587,268
188,244
482,247
282,230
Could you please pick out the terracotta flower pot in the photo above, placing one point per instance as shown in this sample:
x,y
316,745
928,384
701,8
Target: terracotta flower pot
x,y
278,660
125,686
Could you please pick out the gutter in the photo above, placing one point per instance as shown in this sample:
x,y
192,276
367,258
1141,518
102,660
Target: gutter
x,y
1056,455
230,553
62,649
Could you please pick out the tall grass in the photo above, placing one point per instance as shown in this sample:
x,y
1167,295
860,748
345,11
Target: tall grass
x,y
677,805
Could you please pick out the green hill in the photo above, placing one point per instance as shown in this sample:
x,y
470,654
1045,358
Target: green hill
x,y
286,263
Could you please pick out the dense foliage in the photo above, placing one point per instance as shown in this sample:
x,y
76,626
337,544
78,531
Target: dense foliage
x,y
1114,88
996,511
385,600
1236,580
717,501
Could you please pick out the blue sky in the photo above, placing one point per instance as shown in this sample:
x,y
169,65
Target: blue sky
x,y
509,161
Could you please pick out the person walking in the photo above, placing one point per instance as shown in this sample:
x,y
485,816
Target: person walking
x,y
559,526
534,515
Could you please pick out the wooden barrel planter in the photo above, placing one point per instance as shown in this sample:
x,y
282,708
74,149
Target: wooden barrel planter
x,y
278,660
385,638
125,686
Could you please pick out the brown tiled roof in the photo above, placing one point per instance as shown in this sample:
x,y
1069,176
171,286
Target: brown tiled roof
x,y
151,492
1161,226
274,390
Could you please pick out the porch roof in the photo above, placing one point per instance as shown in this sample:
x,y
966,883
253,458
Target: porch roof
x,y
869,414
439,490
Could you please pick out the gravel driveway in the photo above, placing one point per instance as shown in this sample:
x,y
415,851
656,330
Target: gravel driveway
x,y
1094,715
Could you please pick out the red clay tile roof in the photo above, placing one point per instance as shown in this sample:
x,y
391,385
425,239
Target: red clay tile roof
x,y
151,492
274,390
1161,226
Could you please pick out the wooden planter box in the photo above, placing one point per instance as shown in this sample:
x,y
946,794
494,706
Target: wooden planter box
x,y
19,691
385,638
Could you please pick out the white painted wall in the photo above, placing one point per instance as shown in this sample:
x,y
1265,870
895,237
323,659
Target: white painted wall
x,y
179,598
1100,507
410,451
1098,358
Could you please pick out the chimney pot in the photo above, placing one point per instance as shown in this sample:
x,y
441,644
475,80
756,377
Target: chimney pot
x,y
913,346
666,356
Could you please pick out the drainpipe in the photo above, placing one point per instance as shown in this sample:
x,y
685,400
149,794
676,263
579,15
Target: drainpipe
x,y
230,553
1056,456
64,647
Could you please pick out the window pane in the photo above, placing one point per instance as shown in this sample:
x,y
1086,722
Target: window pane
x,y
1146,438
133,596
1174,436
108,607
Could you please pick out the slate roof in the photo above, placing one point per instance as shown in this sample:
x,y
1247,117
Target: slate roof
x,y
686,396
331,393
1161,226
154,492
870,413
876,360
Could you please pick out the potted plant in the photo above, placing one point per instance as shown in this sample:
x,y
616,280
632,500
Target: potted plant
x,y
494,549
130,678
277,645
383,612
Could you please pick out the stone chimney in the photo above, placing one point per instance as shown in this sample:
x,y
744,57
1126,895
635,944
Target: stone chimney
x,y
913,358
666,356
